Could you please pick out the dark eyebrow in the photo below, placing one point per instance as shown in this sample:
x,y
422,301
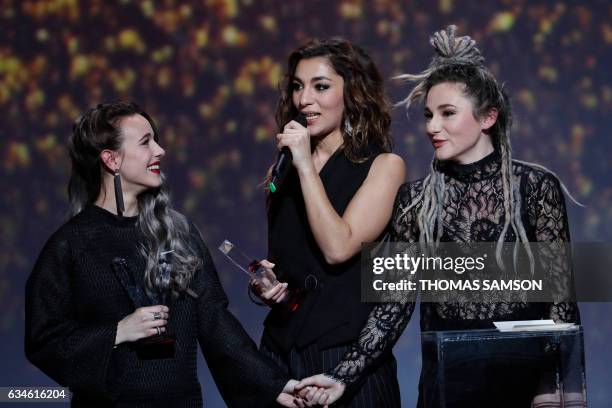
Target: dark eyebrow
x,y
144,137
318,78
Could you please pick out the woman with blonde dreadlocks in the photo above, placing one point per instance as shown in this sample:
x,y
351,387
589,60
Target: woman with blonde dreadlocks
x,y
475,192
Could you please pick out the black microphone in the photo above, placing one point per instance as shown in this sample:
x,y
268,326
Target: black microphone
x,y
283,161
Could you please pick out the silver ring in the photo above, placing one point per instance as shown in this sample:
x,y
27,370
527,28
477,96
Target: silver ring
x,y
157,315
158,330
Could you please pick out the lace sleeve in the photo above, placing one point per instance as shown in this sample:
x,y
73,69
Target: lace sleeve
x,y
385,325
386,321
551,226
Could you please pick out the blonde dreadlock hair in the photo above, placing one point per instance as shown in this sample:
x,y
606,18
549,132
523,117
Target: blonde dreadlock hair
x,y
458,60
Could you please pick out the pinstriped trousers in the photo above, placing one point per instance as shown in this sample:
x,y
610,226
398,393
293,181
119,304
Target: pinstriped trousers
x,y
379,389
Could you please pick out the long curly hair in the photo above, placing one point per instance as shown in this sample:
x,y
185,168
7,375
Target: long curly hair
x,y
162,228
366,108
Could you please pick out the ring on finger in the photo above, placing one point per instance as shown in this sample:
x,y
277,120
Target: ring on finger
x,y
158,330
157,315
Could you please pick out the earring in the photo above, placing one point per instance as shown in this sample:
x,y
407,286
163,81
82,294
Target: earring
x,y
348,128
118,194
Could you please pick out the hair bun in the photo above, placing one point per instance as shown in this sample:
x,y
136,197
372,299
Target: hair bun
x,y
454,50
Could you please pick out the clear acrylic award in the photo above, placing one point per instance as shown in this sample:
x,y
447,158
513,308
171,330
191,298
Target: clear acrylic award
x,y
254,270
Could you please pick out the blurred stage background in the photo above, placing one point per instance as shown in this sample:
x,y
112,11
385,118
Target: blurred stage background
x,y
208,70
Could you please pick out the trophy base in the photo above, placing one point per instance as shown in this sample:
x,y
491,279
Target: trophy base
x,y
155,347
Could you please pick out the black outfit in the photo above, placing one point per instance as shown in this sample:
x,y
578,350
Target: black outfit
x,y
314,337
74,300
473,212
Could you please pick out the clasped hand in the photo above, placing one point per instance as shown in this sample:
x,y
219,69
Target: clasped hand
x,y
309,392
318,390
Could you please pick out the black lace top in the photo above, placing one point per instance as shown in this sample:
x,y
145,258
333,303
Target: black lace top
x,y
473,212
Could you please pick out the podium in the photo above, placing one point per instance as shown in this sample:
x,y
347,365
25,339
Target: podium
x,y
489,368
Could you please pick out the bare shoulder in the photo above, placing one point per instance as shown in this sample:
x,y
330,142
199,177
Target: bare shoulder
x,y
389,165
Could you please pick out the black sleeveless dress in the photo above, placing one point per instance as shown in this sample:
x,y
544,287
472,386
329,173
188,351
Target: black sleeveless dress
x,y
313,338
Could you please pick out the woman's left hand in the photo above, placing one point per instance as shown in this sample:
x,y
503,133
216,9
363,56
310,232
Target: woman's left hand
x,y
267,287
288,399
319,390
297,138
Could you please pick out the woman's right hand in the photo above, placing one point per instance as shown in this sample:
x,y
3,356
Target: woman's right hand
x,y
268,288
326,390
144,322
297,138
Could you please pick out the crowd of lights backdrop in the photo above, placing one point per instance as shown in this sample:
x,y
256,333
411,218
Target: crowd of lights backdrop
x,y
208,71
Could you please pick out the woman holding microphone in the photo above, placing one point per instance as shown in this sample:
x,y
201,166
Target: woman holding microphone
x,y
476,192
338,194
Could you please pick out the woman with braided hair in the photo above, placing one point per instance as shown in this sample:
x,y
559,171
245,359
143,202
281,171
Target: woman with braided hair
x,y
122,294
475,192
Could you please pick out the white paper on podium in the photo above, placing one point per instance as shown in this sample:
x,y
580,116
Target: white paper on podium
x,y
532,325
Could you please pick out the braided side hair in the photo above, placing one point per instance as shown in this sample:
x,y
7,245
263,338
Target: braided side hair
x,y
162,227
458,60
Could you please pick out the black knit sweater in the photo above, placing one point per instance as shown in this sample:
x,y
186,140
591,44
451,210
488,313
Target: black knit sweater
x,y
74,301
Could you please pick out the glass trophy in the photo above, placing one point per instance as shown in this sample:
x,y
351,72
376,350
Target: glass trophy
x,y
254,270
160,345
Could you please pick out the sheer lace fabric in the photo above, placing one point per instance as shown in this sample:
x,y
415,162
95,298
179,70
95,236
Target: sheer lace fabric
x,y
473,212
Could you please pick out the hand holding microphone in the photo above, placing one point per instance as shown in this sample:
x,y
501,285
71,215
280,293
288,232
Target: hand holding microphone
x,y
294,144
